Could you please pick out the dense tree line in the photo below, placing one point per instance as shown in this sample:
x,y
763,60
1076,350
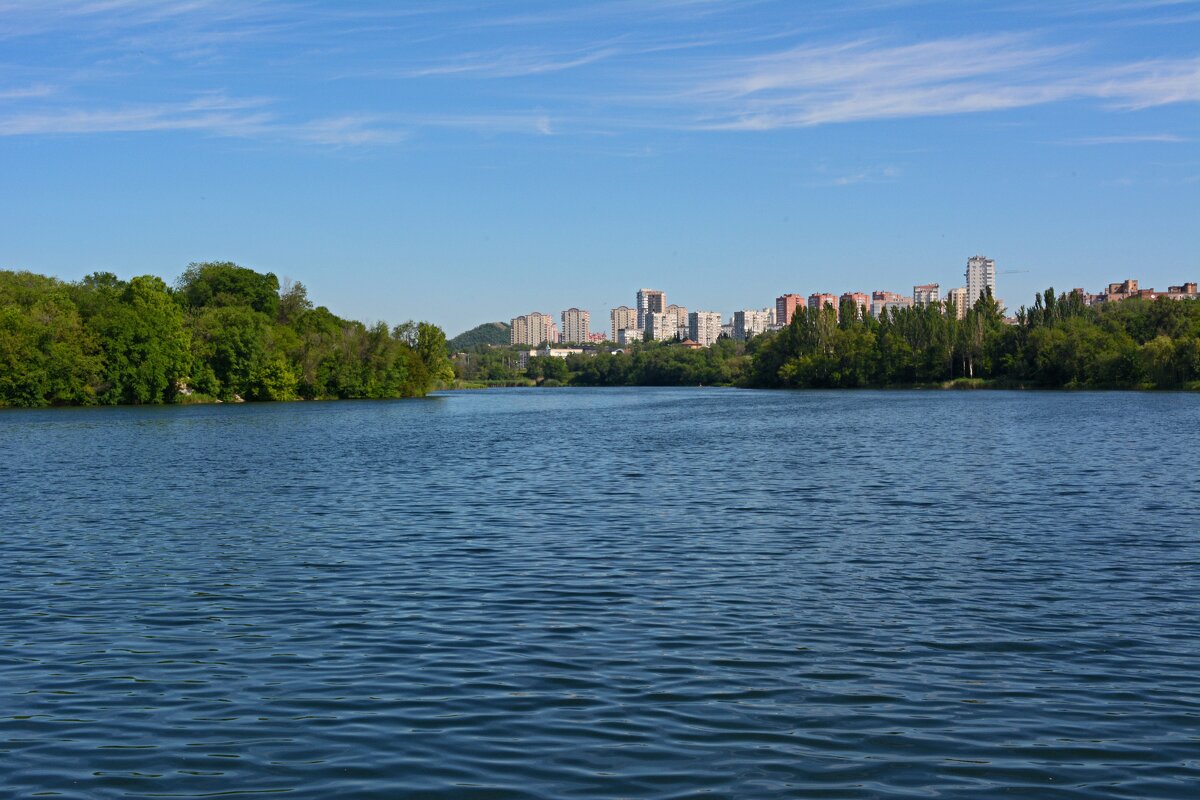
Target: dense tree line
x,y
222,332
639,364
1059,342
662,364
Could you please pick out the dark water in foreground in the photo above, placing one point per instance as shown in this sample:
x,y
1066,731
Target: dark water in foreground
x,y
605,593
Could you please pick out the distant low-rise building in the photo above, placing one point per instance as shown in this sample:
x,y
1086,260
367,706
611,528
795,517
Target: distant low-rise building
x,y
627,336
547,352
1129,288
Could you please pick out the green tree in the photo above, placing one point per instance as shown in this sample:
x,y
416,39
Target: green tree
x,y
434,354
47,356
232,342
223,283
141,331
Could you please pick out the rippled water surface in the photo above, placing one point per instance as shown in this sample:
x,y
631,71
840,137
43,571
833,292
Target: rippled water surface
x,y
605,593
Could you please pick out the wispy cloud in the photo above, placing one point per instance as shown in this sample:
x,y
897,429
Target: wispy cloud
x,y
27,92
559,69
1168,138
346,131
212,114
882,174
868,80
503,64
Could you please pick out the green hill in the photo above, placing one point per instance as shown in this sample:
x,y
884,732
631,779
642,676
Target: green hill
x,y
487,333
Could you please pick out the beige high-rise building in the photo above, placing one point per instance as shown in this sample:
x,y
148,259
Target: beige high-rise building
x,y
926,294
957,296
533,329
576,325
748,322
704,327
649,300
661,325
623,318
681,319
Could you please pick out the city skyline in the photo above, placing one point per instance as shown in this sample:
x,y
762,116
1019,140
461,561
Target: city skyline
x,y
746,322
979,274
535,152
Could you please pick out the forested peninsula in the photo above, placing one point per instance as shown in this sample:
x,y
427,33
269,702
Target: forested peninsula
x,y
1057,342
221,333
226,333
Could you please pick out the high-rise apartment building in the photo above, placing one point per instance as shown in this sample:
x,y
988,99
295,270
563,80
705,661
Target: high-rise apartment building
x,y
926,294
623,318
661,325
981,276
785,306
576,325
649,300
860,301
958,298
882,301
818,300
533,329
704,327
748,322
681,319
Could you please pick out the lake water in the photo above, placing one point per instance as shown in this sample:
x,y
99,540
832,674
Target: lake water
x,y
643,593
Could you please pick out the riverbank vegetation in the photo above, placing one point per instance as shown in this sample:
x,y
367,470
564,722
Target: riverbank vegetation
x,y
222,332
1058,342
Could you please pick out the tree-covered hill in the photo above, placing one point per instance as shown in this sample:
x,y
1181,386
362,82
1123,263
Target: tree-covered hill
x,y
487,333
222,332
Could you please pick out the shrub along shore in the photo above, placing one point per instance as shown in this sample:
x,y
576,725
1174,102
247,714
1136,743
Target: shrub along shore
x,y
221,333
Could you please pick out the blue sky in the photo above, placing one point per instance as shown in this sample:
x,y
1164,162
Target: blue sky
x,y
470,161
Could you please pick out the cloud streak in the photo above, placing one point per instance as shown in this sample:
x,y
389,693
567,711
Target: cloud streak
x,y
549,75
27,92
212,114
1162,138
865,80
